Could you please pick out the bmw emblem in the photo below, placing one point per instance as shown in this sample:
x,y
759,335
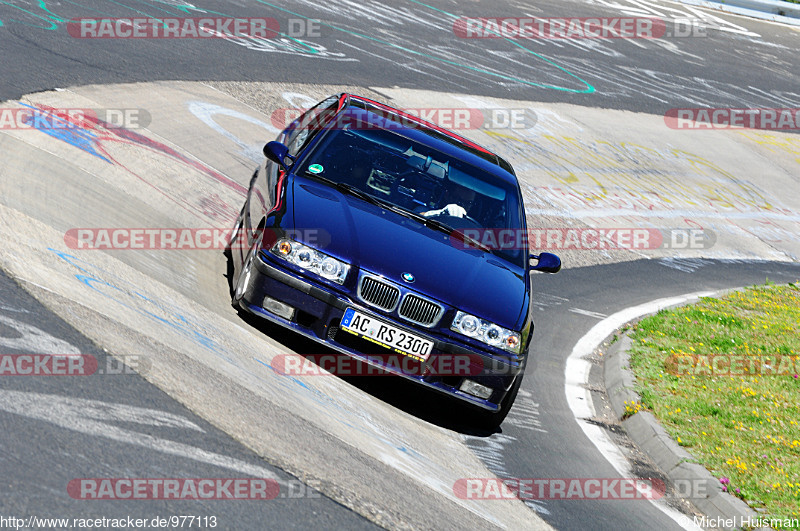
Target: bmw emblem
x,y
408,277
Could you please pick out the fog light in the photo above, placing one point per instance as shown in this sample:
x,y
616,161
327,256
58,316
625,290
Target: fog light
x,y
476,389
278,308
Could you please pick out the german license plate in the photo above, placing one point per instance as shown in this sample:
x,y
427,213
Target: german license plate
x,y
386,335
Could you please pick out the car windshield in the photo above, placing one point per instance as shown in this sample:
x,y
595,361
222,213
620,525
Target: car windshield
x,y
422,181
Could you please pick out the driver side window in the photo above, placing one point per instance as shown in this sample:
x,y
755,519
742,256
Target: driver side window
x,y
308,125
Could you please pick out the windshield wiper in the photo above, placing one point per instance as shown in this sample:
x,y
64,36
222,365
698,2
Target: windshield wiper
x,y
352,190
443,227
362,195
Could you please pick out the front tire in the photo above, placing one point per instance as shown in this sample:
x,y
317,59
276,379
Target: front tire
x,y
237,229
491,420
242,281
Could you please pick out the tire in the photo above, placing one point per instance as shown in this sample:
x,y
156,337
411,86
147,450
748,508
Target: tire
x,y
491,420
237,228
242,280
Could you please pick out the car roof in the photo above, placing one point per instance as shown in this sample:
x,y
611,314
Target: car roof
x,y
437,137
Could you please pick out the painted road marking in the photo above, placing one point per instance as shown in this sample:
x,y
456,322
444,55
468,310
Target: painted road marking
x,y
579,397
94,417
33,339
589,313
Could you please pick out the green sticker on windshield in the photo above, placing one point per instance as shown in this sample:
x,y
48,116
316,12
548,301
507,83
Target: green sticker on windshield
x,y
315,168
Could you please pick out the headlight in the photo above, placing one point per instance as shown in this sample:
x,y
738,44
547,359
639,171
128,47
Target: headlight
x,y
311,259
487,332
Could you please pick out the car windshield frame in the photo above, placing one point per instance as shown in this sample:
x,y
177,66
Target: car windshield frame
x,y
391,160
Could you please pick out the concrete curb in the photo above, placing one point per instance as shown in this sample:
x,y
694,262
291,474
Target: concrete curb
x,y
651,438
773,10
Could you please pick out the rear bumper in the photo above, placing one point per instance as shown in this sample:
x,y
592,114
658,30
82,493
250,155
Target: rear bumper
x,y
317,315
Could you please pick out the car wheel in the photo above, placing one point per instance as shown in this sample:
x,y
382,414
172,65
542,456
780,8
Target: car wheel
x,y
243,280
237,228
491,420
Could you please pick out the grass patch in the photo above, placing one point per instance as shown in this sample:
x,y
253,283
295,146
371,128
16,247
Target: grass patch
x,y
722,378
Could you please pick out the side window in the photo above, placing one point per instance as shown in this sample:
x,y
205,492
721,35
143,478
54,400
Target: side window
x,y
271,174
308,125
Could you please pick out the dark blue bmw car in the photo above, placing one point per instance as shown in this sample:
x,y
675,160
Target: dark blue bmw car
x,y
365,230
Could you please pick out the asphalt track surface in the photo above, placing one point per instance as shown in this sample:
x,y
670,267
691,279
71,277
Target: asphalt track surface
x,y
730,67
59,428
411,44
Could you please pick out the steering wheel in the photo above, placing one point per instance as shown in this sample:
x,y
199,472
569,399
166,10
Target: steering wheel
x,y
472,223
425,186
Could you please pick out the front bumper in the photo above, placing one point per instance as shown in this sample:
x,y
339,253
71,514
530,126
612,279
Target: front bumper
x,y
317,315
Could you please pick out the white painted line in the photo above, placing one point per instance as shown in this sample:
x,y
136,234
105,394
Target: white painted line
x,y
588,313
98,419
579,397
11,309
33,339
764,10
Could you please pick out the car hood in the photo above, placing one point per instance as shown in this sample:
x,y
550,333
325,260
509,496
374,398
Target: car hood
x,y
383,242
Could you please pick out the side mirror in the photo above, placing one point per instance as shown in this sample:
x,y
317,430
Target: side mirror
x,y
277,152
546,263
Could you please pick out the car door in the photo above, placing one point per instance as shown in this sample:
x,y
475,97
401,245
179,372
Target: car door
x,y
266,188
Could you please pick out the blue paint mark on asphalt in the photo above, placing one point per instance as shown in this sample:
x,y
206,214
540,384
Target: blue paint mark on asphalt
x,y
131,298
325,400
79,136
94,277
95,281
318,396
